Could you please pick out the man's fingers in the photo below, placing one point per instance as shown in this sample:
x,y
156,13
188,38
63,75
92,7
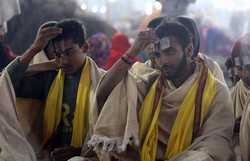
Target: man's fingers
x,y
50,30
51,33
147,34
49,36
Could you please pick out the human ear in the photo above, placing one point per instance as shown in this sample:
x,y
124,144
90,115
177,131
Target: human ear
x,y
85,47
189,51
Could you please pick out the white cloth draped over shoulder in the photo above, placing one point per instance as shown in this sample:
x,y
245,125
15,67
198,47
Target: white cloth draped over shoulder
x,y
13,144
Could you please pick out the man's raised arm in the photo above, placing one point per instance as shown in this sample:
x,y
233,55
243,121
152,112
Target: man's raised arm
x,y
121,67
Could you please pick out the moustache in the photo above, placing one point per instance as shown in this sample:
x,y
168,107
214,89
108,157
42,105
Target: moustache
x,y
166,67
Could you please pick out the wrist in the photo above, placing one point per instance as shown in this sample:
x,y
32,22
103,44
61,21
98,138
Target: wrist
x,y
131,57
29,54
130,60
34,49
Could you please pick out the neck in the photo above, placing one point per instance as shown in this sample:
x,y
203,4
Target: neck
x,y
80,68
183,75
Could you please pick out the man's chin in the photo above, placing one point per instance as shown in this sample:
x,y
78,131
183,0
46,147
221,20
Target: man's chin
x,y
168,76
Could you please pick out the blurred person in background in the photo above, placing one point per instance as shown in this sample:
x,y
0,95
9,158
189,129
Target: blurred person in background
x,y
192,27
239,65
99,49
233,64
120,44
217,42
240,68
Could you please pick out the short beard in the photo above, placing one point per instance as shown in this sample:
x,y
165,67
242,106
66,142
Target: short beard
x,y
179,68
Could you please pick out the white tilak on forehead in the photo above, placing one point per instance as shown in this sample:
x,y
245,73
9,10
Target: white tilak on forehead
x,y
164,43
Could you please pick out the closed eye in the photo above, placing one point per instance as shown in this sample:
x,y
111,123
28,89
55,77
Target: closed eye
x,y
169,51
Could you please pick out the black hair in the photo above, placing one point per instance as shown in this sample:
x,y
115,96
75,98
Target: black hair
x,y
192,27
71,29
171,27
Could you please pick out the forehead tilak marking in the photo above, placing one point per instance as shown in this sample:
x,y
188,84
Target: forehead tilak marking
x,y
164,43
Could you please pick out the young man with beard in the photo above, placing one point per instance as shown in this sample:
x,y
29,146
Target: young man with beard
x,y
192,27
67,92
178,112
240,66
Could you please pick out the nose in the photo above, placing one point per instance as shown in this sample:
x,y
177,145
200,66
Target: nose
x,y
62,60
164,59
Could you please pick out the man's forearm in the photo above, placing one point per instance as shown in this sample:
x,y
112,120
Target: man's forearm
x,y
111,79
28,55
121,67
17,67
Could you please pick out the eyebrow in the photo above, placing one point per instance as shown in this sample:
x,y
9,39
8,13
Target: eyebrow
x,y
169,49
67,50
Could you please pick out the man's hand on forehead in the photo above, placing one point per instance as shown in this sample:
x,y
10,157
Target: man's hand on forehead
x,y
50,31
144,38
44,35
148,34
